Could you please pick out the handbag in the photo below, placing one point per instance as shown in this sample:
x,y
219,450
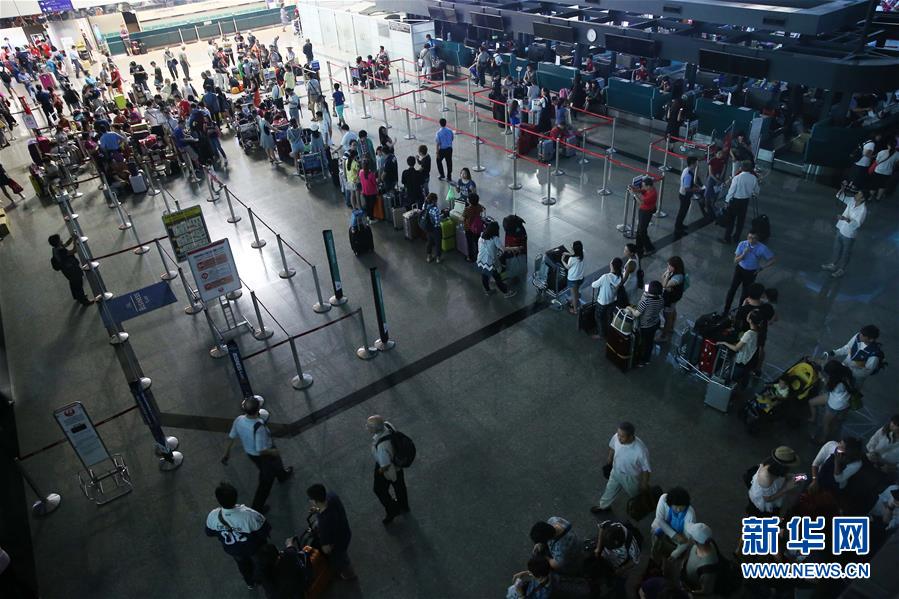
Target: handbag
x,y
874,164
623,321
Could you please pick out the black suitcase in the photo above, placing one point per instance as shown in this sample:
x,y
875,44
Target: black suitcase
x,y
586,318
691,346
361,240
713,326
333,166
283,147
556,274
35,152
620,349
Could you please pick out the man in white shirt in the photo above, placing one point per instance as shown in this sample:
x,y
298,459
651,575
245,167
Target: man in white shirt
x,y
862,355
241,530
387,474
187,89
742,188
185,63
348,138
252,430
847,228
628,467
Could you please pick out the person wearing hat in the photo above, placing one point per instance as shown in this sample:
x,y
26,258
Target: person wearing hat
x,y
847,228
700,560
251,428
770,484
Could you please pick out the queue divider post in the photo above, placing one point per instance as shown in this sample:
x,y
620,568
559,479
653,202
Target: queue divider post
x,y
167,274
302,380
383,342
141,248
338,299
261,332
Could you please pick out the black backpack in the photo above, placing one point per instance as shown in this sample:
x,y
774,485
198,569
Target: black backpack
x,y
55,263
729,576
403,447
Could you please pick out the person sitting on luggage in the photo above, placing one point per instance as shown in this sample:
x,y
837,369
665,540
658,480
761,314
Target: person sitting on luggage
x,y
537,582
648,310
607,287
574,262
555,541
770,483
883,446
617,552
465,186
490,249
699,571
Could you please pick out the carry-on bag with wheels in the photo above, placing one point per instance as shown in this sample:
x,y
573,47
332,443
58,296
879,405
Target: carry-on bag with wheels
x,y
411,230
447,235
361,240
620,349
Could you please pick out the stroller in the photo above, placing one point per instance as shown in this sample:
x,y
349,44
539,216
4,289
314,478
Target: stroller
x,y
247,132
783,398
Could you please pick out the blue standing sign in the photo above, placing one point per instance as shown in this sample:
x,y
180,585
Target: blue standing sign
x,y
135,303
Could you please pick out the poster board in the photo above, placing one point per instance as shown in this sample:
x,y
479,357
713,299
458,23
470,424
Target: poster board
x,y
186,230
214,270
78,428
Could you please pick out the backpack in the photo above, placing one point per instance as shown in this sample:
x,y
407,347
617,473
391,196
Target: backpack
x,y
729,576
425,221
403,447
55,263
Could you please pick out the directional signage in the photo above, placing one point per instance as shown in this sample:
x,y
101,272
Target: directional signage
x,y
82,435
186,230
48,6
129,305
214,270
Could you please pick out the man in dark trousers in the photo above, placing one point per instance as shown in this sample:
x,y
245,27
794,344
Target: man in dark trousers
x,y
386,473
256,439
332,528
65,261
307,50
750,258
242,531
444,140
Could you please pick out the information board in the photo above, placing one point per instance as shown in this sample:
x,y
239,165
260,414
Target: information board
x,y
50,6
135,303
80,431
214,270
186,230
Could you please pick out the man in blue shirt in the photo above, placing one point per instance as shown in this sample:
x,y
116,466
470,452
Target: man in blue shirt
x,y
444,139
112,141
750,258
332,528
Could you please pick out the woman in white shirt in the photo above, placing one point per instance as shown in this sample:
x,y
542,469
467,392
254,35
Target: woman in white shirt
x,y
674,515
886,161
746,348
847,228
606,293
629,276
489,251
574,262
838,388
883,447
769,485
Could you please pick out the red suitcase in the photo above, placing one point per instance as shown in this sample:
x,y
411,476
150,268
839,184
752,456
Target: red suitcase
x,y
527,141
707,356
47,81
321,570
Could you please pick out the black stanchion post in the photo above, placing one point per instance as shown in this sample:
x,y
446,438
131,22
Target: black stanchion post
x,y
338,299
169,459
383,342
45,504
239,369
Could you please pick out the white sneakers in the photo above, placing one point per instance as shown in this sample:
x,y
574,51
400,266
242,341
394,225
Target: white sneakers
x,y
838,273
828,267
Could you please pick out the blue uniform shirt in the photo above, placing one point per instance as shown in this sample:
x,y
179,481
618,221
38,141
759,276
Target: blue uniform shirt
x,y
444,138
751,261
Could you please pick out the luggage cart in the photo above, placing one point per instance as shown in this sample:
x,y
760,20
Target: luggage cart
x,y
549,281
311,165
719,386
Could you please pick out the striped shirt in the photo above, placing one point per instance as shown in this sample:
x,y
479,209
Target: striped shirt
x,y
650,307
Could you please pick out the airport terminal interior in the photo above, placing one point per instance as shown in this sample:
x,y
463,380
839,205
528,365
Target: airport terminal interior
x,y
414,298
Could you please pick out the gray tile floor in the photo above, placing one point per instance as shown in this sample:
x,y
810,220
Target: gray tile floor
x,y
510,429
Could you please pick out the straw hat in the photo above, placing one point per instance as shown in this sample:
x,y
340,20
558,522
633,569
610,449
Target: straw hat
x,y
785,455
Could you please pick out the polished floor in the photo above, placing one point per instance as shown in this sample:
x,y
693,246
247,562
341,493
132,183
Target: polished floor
x,y
510,406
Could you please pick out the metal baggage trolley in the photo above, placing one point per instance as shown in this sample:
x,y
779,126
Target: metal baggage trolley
x,y
311,164
546,285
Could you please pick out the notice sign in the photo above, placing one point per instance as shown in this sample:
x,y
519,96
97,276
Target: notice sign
x,y
157,295
214,270
49,6
80,431
186,230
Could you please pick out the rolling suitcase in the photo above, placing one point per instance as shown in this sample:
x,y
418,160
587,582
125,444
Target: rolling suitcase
x,y
461,240
546,150
620,349
35,152
397,210
447,235
321,573
138,183
361,240
717,395
527,141
586,318
723,368
569,149
691,346
120,101
283,147
515,267
47,81
411,230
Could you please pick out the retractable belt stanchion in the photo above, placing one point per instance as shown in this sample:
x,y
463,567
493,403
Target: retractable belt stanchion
x,y
286,272
456,118
302,379
338,299
649,157
141,248
383,342
478,168
606,175
444,108
612,149
549,200
167,273
365,352
659,212
233,218
403,67
507,129
365,114
558,172
583,159
152,187
213,195
257,243
477,130
415,116
665,168
45,504
346,74
125,223
194,306
319,307
470,100
409,134
261,332
514,185
384,107
219,350
393,92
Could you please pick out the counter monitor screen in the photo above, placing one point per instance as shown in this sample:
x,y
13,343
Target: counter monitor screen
x,y
479,19
558,33
722,62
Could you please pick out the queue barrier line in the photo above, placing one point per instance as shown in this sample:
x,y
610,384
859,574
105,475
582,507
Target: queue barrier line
x,y
63,441
303,334
128,249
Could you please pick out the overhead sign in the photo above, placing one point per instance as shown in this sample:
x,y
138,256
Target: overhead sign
x,y
130,305
186,230
48,6
214,270
80,431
